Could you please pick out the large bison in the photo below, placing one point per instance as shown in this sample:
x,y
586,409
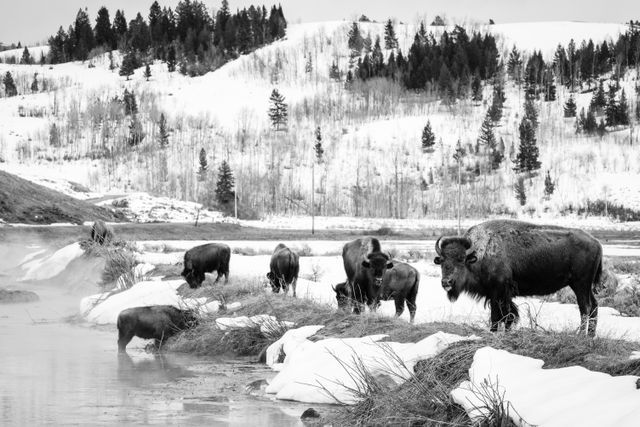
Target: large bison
x,y
399,283
157,322
284,269
365,265
206,259
501,259
101,233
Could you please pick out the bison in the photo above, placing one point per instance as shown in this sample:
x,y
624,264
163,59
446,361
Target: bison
x,y
101,233
206,259
399,283
365,265
284,267
501,259
157,322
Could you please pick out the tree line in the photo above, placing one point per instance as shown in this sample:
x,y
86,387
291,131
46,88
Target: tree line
x,y
190,34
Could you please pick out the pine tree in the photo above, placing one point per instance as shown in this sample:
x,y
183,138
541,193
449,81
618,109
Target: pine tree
x,y
9,85
549,186
136,134
638,109
129,64
225,184
390,40
590,124
599,101
570,107
476,88
623,110
355,40
103,30
147,71
163,134
531,112
334,72
497,157
34,83
54,135
549,87
84,38
26,57
171,58
112,65
514,65
611,110
527,158
204,167
487,137
278,113
318,146
119,29
520,191
428,138
130,103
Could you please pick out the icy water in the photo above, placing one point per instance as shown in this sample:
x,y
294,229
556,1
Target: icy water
x,y
54,372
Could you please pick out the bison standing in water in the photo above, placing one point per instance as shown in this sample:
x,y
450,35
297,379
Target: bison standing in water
x,y
284,267
101,233
365,265
499,260
399,283
157,322
206,259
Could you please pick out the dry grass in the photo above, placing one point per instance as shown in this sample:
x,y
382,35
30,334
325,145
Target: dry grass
x,y
119,262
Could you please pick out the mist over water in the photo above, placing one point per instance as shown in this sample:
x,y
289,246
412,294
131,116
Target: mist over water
x,y
57,371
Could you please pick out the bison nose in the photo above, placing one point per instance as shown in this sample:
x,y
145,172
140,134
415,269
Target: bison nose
x,y
378,281
447,284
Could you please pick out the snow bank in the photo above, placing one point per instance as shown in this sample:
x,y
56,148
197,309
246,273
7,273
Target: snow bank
x,y
266,322
288,343
548,397
330,370
105,308
46,267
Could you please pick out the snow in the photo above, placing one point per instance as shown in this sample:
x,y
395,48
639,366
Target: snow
x,y
331,370
48,266
288,343
547,397
141,294
266,322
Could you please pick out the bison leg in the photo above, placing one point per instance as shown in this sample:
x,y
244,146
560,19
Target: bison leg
x,y
124,338
497,315
588,307
293,286
399,300
593,317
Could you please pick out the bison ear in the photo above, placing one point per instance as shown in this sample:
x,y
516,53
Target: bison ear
x,y
471,258
389,265
366,264
437,260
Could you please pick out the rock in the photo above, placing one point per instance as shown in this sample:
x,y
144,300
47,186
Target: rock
x,y
309,413
256,385
638,384
9,297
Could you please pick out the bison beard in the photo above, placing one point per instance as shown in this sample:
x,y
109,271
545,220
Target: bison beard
x,y
499,260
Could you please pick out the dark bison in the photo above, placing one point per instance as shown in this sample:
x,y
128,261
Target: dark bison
x,y
501,259
157,322
399,283
206,259
365,265
101,233
285,267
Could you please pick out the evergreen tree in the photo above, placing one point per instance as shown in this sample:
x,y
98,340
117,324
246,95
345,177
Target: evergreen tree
x,y
334,72
638,109
9,85
367,45
225,184
138,36
129,64
163,134
171,58
136,134
599,101
476,88
103,29
570,107
318,147
549,86
527,158
623,110
428,138
204,166
34,83
601,129
308,66
497,157
278,112
112,65
590,125
549,186
84,39
611,110
438,22
495,110
26,57
520,191
487,137
130,103
355,40
390,40
147,71
54,135
514,65
531,112
120,29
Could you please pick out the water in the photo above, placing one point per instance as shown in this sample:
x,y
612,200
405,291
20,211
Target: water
x,y
55,372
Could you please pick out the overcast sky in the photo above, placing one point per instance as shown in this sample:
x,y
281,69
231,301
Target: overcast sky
x,y
31,21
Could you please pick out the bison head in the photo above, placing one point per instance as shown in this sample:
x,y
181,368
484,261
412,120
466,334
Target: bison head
x,y
455,255
377,263
190,278
343,295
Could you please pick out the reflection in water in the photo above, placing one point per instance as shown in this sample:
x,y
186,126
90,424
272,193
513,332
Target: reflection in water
x,y
152,369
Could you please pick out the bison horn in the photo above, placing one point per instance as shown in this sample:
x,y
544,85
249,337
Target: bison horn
x,y
438,249
468,244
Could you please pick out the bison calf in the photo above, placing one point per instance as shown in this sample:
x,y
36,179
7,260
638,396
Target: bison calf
x,y
157,322
284,267
206,259
101,233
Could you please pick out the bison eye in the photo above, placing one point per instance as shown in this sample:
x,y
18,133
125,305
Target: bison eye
x,y
437,260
